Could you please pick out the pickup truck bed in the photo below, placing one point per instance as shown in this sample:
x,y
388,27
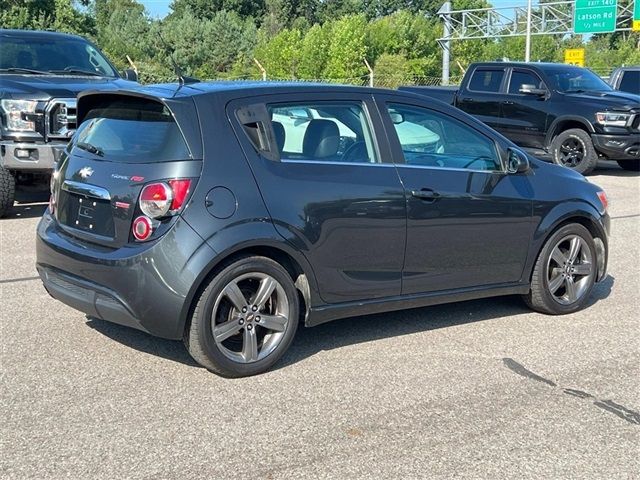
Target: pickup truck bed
x,y
444,94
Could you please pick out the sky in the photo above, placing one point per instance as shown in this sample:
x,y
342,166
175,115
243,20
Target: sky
x,y
160,8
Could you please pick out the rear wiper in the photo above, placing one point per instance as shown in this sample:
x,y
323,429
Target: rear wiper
x,y
90,148
23,70
76,70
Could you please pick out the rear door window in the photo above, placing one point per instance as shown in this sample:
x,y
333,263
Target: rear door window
x,y
486,80
324,131
131,131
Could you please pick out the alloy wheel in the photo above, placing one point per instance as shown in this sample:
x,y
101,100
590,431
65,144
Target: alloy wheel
x,y
572,152
250,317
569,269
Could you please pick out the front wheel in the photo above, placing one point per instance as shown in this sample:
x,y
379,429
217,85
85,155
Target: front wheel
x,y
7,191
565,272
245,318
574,149
631,165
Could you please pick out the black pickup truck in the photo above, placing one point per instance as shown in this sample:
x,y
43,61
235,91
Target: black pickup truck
x,y
40,75
562,113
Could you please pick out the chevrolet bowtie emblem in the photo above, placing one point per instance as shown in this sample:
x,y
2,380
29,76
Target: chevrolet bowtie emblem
x,y
85,172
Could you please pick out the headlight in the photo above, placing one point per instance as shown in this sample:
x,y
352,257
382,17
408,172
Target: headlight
x,y
613,119
15,110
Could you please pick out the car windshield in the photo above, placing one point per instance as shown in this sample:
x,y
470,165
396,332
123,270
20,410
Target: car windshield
x,y
46,55
569,80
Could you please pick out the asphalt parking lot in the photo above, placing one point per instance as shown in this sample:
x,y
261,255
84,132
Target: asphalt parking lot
x,y
481,389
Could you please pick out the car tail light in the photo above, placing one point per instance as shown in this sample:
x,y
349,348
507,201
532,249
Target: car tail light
x,y
603,199
160,199
155,200
180,189
142,228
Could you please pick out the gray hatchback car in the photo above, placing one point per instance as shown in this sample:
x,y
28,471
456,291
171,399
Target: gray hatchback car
x,y
225,214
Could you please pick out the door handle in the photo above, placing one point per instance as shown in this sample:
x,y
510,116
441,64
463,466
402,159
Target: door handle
x,y
426,194
467,99
508,102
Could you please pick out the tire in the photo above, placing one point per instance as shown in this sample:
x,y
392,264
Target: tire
x,y
238,326
7,191
630,165
574,149
550,290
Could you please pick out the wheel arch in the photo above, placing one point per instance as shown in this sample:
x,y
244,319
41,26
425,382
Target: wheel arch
x,y
586,216
567,122
298,268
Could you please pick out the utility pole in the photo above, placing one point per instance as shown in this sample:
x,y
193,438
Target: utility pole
x,y
370,72
446,40
527,47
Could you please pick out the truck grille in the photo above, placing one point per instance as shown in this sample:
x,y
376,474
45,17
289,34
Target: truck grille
x,y
60,118
635,124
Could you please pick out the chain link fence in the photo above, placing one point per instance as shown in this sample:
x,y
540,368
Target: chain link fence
x,y
148,76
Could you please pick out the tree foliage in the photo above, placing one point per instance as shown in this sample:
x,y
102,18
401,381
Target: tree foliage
x,y
303,39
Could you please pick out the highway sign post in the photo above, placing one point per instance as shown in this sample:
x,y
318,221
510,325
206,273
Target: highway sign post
x,y
595,16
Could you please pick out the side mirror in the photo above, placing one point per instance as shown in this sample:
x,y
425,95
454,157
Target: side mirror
x,y
129,74
517,161
532,90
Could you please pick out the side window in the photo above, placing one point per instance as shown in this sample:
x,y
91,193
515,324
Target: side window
x,y
486,80
520,78
432,139
323,131
630,82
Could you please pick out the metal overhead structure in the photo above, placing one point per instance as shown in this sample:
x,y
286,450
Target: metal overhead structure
x,y
554,18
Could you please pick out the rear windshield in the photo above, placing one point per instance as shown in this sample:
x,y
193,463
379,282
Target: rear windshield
x,y
131,131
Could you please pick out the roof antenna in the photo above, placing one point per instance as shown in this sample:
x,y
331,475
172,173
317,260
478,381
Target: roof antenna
x,y
182,79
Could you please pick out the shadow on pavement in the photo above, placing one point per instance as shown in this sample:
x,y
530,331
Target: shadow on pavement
x,y
612,169
27,210
351,331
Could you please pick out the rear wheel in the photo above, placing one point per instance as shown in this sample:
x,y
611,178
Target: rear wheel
x,y
7,191
574,149
245,318
631,165
565,272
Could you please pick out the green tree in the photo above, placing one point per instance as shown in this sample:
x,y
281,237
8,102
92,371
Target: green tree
x,y
280,55
348,49
315,52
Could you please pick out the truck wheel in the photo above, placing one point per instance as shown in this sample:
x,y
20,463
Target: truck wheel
x,y
573,149
631,165
7,191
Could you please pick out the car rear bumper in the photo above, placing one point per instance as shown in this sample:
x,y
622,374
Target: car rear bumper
x,y
30,156
145,286
618,147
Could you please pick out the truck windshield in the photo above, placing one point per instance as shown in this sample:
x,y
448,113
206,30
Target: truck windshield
x,y
44,55
575,80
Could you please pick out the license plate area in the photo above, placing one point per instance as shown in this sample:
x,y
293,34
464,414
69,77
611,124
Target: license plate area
x,y
88,214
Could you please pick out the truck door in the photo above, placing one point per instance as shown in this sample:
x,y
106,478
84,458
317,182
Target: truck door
x,y
525,114
482,96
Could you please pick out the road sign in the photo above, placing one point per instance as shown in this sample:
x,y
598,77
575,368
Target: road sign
x,y
636,16
595,16
574,56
